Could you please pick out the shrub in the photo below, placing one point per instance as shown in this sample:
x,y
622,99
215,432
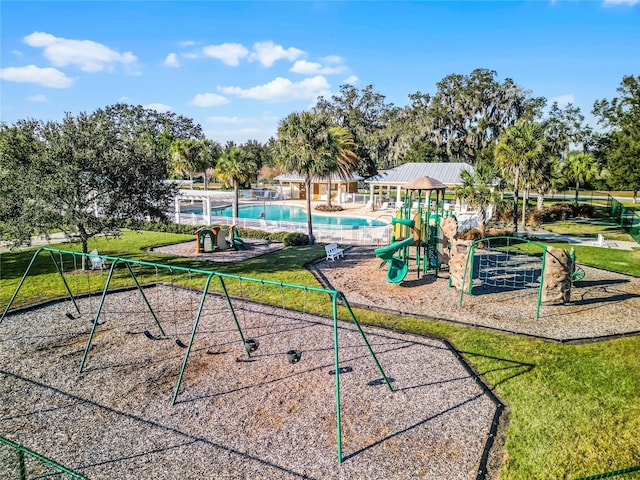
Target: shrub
x,y
295,239
326,208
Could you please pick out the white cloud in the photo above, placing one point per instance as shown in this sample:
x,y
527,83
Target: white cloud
x,y
47,77
333,59
90,56
351,80
564,99
158,107
283,89
267,53
208,100
190,55
17,53
313,68
229,53
172,60
187,43
125,100
630,3
37,98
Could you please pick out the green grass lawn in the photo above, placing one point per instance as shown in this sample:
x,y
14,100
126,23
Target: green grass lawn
x,y
588,229
572,410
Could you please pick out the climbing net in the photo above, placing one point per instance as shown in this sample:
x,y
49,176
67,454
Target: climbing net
x,y
509,270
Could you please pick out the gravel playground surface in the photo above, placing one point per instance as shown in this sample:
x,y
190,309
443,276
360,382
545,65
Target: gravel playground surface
x,y
603,304
234,419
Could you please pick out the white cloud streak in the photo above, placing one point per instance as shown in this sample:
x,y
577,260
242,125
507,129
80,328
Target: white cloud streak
x,y
47,77
208,100
629,3
172,61
313,68
282,89
267,53
562,100
37,98
228,53
90,56
158,107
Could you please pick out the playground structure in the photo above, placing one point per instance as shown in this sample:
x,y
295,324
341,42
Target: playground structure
x,y
417,224
514,263
218,239
68,260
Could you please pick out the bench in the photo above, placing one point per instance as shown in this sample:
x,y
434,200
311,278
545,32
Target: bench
x,y
333,251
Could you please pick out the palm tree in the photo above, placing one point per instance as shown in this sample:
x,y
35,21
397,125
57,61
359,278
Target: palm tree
x,y
340,157
477,190
578,169
515,152
191,157
545,176
302,147
235,167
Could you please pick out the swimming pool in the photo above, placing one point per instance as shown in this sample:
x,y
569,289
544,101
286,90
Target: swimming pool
x,y
292,213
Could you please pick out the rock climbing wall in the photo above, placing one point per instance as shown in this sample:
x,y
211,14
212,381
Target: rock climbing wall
x,y
459,252
449,228
556,281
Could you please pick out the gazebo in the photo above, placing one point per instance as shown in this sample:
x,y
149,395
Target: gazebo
x,y
448,174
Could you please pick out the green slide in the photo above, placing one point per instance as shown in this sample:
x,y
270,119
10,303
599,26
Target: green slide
x,y
397,268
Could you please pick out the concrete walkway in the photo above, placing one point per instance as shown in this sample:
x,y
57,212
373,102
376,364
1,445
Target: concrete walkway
x,y
39,241
545,235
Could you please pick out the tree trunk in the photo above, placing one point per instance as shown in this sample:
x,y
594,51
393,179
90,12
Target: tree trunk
x,y
525,203
85,250
307,182
329,192
236,197
482,214
204,177
577,192
540,205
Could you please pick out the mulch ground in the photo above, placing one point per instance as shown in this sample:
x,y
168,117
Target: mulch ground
x,y
235,417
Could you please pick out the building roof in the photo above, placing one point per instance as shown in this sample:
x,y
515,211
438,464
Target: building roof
x,y
447,173
296,177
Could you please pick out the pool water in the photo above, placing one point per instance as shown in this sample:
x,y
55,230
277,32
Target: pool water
x,y
292,213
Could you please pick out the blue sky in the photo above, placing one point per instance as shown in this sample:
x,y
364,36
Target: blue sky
x,y
237,68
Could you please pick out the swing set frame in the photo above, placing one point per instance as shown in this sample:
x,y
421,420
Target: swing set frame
x,y
335,296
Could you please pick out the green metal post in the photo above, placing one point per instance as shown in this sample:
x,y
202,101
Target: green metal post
x,y
472,251
15,293
193,334
64,280
366,341
21,466
144,297
544,256
95,320
235,318
336,361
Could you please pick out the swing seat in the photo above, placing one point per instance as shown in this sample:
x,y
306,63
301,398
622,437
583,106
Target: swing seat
x,y
252,344
293,356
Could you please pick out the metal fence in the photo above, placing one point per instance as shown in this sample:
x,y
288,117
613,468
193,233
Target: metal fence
x,y
628,219
366,235
622,474
41,469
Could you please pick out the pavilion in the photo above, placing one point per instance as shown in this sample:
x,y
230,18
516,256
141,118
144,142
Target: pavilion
x,y
392,181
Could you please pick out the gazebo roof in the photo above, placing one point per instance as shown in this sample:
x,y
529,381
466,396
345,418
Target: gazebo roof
x,y
425,183
446,172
